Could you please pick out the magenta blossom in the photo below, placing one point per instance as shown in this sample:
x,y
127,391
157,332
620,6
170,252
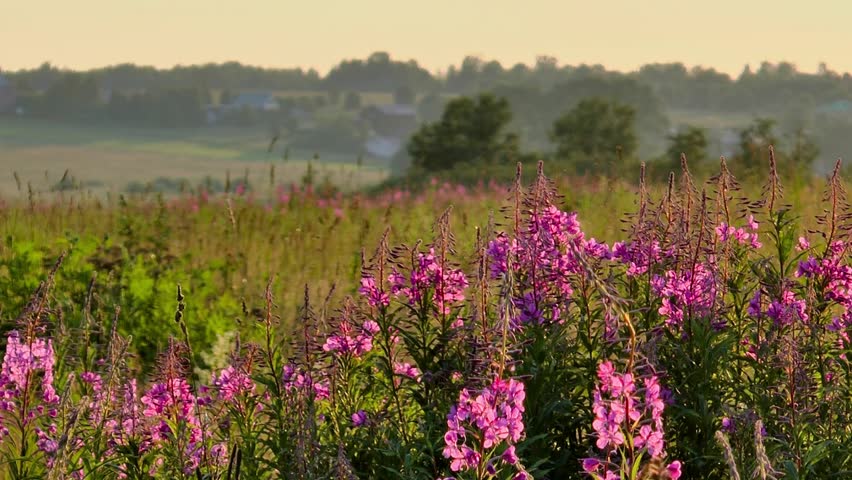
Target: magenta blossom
x,y
494,417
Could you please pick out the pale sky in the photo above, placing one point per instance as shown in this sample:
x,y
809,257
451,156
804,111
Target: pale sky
x,y
622,35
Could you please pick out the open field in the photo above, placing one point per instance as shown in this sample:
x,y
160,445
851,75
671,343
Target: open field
x,y
568,328
109,158
506,335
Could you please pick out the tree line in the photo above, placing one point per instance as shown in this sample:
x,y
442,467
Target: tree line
x,y
597,135
769,87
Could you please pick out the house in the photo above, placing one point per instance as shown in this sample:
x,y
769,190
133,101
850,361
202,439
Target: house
x,y
258,101
8,98
390,127
249,101
391,120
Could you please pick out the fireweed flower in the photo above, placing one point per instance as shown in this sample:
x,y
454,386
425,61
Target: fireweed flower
x,y
233,382
407,370
359,418
20,361
638,256
171,401
430,281
295,378
127,421
485,427
375,296
787,309
351,340
691,292
834,271
544,258
23,363
625,411
743,235
784,311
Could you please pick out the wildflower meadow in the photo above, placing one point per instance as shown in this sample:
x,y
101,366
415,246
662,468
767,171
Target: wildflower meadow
x,y
704,333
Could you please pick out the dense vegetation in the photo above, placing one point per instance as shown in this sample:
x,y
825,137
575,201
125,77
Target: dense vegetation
x,y
770,85
261,336
661,95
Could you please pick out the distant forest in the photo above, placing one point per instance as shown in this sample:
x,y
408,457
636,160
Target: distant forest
x,y
321,112
769,88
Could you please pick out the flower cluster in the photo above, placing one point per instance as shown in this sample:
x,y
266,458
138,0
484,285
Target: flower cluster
x,y
637,255
742,235
691,292
545,257
836,273
297,379
171,403
20,364
784,311
233,382
486,427
20,395
430,280
627,417
376,297
351,340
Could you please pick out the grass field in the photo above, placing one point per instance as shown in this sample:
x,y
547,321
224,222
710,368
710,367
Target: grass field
x,y
357,320
238,300
109,158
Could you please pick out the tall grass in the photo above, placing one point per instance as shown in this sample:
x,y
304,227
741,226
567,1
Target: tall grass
x,y
296,334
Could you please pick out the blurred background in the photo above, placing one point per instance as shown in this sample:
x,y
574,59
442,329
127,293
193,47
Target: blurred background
x,y
168,96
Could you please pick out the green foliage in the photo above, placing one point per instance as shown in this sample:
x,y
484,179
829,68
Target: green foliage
x,y
794,153
470,130
597,130
378,73
352,101
754,144
690,141
73,95
803,152
337,134
168,108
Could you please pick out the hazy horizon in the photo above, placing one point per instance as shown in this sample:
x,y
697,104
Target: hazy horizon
x,y
725,36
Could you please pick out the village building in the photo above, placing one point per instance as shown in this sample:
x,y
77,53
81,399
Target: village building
x,y
390,127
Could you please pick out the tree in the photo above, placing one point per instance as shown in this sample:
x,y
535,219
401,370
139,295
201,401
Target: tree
x,y
754,144
803,152
352,101
594,130
74,95
470,130
167,108
690,141
404,95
